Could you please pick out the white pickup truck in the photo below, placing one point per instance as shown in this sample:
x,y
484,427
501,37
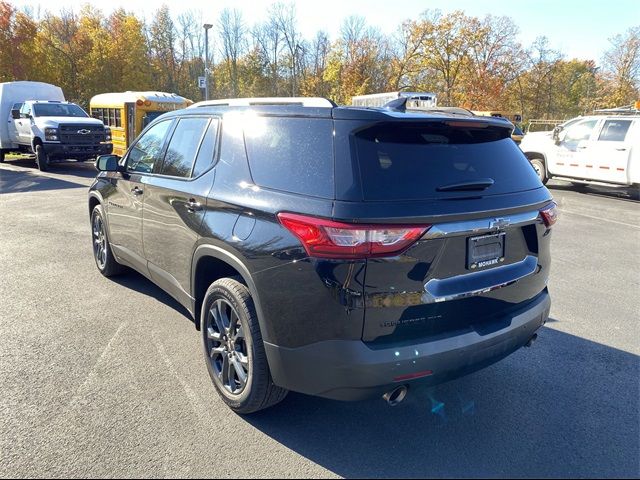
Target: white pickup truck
x,y
34,118
590,149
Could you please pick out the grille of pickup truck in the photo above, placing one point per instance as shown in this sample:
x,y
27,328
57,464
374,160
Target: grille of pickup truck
x,y
81,134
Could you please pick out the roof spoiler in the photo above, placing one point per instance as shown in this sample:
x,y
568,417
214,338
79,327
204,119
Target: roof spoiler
x,y
400,105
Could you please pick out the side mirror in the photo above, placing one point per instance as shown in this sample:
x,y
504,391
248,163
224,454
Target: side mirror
x,y
15,114
108,163
561,136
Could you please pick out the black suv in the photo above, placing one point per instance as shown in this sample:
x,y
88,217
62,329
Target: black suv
x,y
335,251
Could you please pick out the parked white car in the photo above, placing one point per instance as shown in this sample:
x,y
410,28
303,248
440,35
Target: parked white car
x,y
590,149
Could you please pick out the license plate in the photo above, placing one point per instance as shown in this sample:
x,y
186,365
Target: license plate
x,y
485,251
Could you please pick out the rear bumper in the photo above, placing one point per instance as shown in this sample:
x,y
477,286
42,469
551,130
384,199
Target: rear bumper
x,y
61,150
350,370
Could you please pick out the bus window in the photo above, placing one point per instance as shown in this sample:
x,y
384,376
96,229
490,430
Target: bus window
x,y
130,112
150,117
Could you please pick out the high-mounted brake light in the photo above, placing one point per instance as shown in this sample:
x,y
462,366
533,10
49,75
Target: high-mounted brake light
x,y
550,214
476,124
328,239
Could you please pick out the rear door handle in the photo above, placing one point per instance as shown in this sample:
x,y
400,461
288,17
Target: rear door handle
x,y
582,147
137,191
193,206
623,149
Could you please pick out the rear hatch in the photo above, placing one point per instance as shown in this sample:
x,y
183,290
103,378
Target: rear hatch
x,y
485,253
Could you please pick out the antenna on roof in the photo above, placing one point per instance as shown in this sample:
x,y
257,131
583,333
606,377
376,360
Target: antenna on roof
x,y
397,105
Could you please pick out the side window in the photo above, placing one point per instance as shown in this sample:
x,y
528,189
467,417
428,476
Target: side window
x,y
25,110
580,131
291,154
147,149
207,149
118,118
182,149
614,130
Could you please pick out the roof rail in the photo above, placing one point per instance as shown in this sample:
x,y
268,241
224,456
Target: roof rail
x,y
257,101
626,110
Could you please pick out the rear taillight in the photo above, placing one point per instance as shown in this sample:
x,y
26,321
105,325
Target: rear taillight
x,y
327,239
550,214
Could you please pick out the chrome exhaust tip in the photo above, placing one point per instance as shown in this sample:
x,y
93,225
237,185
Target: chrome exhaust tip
x,y
395,396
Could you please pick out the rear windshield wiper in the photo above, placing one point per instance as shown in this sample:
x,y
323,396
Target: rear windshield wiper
x,y
480,184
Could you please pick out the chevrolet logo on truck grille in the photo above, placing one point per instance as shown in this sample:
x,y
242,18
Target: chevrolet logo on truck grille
x,y
84,131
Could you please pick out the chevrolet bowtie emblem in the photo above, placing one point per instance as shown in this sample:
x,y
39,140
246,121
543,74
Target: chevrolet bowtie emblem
x,y
84,131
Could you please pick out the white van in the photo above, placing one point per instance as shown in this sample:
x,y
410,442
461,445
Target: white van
x,y
590,149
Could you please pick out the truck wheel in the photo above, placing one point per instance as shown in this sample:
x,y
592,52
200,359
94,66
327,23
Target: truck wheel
x,y
42,159
538,166
233,348
1,156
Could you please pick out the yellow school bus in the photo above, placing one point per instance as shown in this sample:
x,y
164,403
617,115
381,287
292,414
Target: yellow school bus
x,y
127,113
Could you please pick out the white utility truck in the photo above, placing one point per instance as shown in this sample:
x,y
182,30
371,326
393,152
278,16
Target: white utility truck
x,y
602,148
35,118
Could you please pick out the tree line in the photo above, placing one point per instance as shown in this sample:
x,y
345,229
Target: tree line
x,y
477,63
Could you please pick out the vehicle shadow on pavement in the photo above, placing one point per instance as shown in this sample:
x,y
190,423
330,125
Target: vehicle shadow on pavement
x,y
629,194
567,407
12,181
139,283
65,167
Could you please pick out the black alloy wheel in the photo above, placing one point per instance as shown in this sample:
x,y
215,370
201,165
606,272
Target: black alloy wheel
x,y
227,346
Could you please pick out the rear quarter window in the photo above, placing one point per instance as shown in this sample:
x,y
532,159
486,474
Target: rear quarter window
x,y
614,130
411,161
292,154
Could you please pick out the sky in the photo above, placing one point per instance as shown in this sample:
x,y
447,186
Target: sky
x,y
577,28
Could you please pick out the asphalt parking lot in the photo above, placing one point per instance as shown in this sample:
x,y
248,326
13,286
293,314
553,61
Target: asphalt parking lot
x,y
104,377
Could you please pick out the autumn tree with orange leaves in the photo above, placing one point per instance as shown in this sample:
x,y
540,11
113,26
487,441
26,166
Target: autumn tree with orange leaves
x,y
478,63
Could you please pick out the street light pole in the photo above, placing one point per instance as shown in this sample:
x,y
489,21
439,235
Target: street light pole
x,y
206,26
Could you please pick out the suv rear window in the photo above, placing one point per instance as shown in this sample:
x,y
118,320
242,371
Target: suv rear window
x,y
410,161
293,155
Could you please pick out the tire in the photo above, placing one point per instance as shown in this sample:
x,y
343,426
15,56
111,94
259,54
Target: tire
x,y
1,156
540,169
233,349
42,159
102,254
